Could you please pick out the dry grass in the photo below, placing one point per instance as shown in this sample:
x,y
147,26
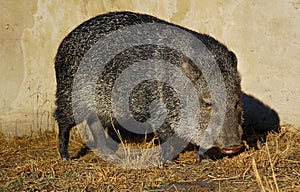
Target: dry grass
x,y
32,164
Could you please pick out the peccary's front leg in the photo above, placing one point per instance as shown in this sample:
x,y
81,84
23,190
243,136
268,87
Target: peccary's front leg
x,y
203,157
99,136
171,147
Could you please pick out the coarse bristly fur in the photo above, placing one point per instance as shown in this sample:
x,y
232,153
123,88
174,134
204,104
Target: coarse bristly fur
x,y
77,43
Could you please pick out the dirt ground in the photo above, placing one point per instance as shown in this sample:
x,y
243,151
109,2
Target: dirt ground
x,y
31,163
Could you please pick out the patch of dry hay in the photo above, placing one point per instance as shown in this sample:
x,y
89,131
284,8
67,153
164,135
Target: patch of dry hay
x,y
32,163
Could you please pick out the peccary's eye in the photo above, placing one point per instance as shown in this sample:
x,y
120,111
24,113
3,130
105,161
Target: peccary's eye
x,y
208,104
208,107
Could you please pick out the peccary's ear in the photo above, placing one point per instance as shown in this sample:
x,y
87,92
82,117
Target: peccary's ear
x,y
233,59
190,70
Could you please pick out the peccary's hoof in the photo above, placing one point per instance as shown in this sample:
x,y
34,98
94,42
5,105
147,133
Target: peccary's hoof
x,y
65,156
108,157
204,158
107,154
65,159
164,162
106,151
166,158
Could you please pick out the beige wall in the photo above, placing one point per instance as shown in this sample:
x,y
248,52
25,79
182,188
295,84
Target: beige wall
x,y
265,35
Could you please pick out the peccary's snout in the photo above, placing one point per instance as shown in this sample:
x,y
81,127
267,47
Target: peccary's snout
x,y
230,136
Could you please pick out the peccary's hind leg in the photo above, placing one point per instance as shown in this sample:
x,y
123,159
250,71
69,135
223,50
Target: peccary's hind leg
x,y
63,137
99,136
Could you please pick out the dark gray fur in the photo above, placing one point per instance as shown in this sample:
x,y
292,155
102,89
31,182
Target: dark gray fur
x,y
80,40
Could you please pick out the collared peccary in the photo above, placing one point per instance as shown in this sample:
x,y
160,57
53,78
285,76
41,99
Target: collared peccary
x,y
93,101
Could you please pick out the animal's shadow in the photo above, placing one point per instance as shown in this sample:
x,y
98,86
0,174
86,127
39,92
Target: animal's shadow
x,y
259,120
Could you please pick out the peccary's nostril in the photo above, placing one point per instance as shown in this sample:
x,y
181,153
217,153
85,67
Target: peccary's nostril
x,y
231,150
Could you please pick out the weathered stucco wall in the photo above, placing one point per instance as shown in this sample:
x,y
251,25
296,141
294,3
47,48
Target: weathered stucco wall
x,y
265,35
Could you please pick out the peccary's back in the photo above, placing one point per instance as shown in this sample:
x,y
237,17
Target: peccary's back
x,y
83,37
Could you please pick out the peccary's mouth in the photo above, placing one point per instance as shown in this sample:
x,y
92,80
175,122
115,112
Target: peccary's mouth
x,y
231,150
